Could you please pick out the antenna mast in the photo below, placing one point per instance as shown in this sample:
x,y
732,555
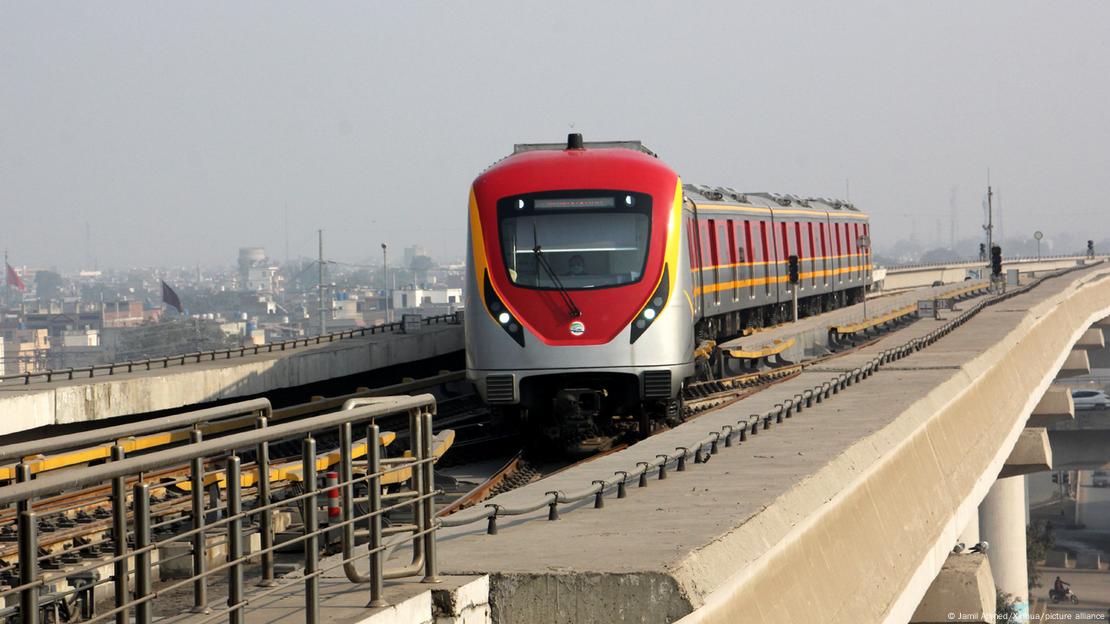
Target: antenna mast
x,y
320,283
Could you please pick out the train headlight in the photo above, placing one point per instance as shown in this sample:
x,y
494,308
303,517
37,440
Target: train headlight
x,y
653,306
501,313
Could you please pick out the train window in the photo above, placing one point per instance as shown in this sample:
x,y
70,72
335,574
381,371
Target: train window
x,y
713,243
583,246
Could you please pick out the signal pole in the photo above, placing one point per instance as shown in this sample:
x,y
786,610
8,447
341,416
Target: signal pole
x,y
989,227
320,283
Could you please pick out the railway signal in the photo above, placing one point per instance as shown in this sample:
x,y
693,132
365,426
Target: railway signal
x,y
793,269
996,261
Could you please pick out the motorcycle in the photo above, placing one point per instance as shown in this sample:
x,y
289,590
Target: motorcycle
x,y
1060,596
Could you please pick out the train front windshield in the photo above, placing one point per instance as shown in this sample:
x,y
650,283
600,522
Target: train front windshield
x,y
587,239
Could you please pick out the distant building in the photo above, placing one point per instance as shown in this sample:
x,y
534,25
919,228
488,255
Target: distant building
x,y
428,301
410,254
25,350
123,314
257,273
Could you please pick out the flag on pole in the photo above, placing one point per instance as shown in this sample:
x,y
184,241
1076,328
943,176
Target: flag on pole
x,y
170,298
13,279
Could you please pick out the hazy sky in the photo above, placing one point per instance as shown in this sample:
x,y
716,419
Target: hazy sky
x,y
182,131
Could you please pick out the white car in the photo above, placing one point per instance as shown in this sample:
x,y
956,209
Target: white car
x,y
1090,399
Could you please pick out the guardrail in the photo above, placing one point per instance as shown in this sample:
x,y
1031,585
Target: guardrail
x,y
977,262
134,525
213,355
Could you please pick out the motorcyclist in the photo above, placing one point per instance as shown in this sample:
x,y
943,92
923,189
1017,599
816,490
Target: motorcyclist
x,y
1061,588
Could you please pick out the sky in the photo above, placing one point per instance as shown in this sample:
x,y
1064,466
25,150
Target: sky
x,y
171,134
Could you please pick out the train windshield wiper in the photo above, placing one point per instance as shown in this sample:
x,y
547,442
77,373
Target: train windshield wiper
x,y
542,261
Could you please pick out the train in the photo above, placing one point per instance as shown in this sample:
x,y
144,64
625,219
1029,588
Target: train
x,y
595,276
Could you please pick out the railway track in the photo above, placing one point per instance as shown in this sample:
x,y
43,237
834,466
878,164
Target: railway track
x,y
698,398
76,526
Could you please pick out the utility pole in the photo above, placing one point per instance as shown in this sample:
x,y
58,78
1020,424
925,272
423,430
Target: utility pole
x,y
385,286
320,284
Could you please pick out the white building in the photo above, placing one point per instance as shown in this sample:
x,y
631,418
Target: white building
x,y
428,300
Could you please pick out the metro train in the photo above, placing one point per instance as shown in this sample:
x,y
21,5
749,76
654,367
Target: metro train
x,y
594,275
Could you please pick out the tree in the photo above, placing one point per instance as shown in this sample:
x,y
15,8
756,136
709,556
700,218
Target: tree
x,y
1005,611
1038,541
48,285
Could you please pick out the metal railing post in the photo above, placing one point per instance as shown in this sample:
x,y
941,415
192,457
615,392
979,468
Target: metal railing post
x,y
374,495
119,540
141,496
311,526
431,571
28,568
265,518
235,613
200,545
417,476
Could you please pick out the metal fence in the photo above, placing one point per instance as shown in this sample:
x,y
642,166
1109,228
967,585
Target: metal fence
x,y
211,356
974,262
145,518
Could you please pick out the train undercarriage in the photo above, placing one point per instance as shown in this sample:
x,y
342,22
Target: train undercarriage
x,y
582,413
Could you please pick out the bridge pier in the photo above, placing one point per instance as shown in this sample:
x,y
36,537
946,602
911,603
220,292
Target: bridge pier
x,y
1002,526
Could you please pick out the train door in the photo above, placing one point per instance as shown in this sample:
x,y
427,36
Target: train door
x,y
735,257
749,258
812,255
770,269
693,246
786,289
849,251
839,254
803,257
823,232
867,255
710,240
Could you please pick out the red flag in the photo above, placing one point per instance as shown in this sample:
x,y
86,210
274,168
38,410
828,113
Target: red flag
x,y
13,279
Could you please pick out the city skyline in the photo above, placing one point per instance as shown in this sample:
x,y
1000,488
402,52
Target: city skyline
x,y
173,135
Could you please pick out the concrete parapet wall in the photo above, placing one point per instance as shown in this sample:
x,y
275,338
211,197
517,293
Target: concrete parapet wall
x,y
150,391
891,507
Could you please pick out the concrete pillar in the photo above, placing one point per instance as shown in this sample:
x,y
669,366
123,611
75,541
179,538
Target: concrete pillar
x,y
970,535
963,591
1002,526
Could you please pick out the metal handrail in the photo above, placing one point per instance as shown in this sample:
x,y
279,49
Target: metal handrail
x,y
196,357
155,425
137,596
913,266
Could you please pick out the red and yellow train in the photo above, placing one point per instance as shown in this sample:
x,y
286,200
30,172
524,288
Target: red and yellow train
x,y
594,274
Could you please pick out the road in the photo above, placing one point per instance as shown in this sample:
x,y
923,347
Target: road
x,y
1093,589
